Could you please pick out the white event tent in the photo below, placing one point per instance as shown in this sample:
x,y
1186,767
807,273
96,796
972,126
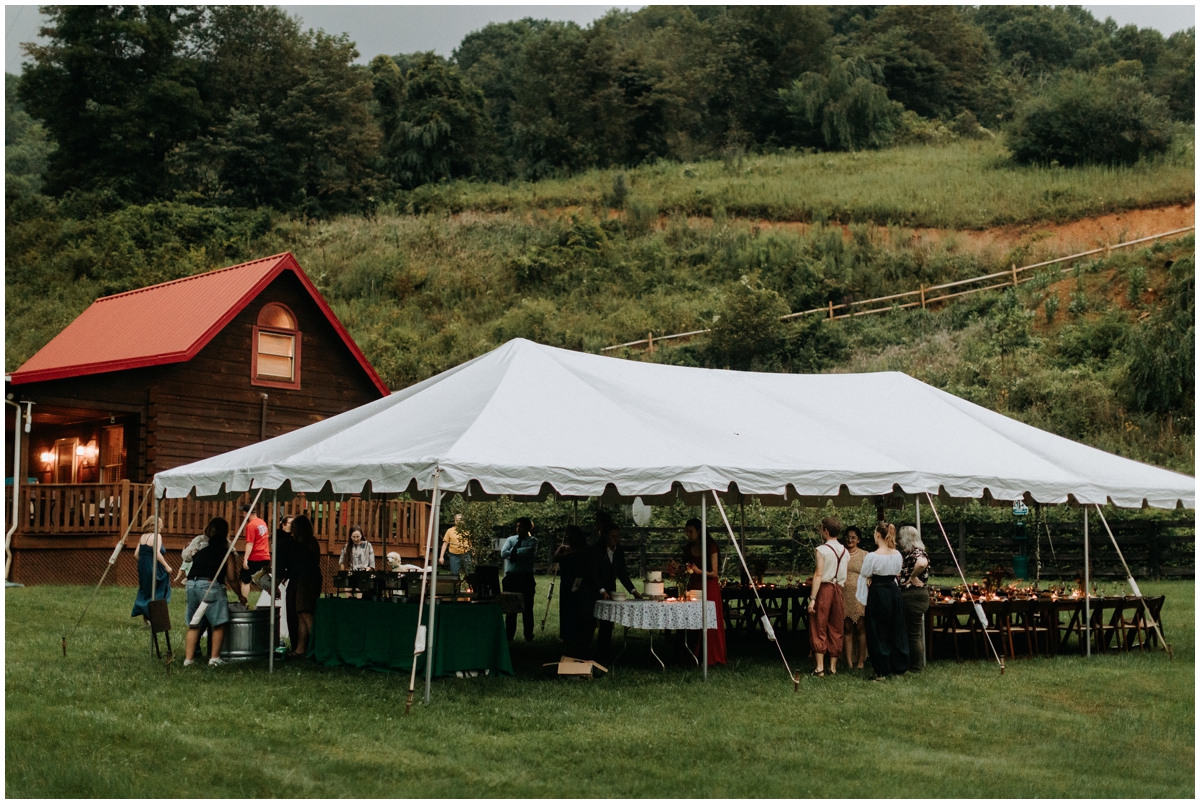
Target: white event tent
x,y
529,420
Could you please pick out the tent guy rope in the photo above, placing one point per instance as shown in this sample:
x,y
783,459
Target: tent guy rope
x,y
1133,585
974,603
112,562
766,621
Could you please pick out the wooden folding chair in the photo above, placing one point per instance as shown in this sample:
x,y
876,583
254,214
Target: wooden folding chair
x,y
1075,625
1028,617
1151,609
996,611
948,623
160,623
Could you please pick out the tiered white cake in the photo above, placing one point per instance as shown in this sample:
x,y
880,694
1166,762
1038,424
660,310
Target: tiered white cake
x,y
654,584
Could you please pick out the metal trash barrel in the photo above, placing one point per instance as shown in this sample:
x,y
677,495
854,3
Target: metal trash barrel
x,y
248,634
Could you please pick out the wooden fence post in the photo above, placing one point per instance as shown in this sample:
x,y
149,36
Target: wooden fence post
x,y
922,295
962,543
1014,273
126,499
831,311
1155,558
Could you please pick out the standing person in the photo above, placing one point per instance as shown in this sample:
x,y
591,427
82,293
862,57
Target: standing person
x,y
691,559
887,636
455,547
608,565
518,552
826,609
284,561
305,582
258,549
208,563
358,554
151,560
572,566
914,574
854,631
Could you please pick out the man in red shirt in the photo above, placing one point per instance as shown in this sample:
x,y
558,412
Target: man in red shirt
x,y
258,548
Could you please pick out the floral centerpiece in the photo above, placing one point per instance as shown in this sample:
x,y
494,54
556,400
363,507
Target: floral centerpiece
x,y
678,572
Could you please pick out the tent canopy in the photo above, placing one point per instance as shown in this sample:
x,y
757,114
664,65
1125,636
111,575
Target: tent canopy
x,y
530,420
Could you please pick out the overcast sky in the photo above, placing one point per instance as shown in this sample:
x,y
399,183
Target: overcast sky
x,y
405,29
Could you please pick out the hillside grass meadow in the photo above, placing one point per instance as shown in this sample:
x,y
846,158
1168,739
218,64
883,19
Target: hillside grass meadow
x,y
107,720
962,185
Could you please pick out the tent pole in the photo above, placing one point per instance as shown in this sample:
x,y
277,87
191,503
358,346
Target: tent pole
x,y
766,621
575,514
434,514
274,520
419,641
153,566
704,583
1133,584
1087,598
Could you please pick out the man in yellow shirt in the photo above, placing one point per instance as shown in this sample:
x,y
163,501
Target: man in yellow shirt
x,y
455,544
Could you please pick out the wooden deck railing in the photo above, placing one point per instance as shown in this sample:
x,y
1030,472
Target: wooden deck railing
x,y
99,509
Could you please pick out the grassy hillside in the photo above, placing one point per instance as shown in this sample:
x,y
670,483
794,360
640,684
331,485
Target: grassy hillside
x,y
424,292
965,185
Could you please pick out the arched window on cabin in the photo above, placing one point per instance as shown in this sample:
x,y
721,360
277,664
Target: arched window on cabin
x,y
276,358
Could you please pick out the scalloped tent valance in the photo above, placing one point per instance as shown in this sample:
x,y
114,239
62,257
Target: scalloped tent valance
x,y
531,421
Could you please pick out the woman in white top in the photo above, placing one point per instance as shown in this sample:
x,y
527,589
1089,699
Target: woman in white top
x,y
887,637
358,554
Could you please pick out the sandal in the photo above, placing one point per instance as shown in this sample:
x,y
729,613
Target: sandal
x,y
817,673
880,678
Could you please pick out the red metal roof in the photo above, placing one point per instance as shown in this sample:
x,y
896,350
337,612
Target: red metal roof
x,y
167,323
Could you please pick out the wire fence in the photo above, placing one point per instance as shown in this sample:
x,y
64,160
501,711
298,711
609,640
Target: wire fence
x,y
924,295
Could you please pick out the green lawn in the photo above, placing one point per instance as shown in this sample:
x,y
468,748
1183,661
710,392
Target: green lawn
x,y
108,720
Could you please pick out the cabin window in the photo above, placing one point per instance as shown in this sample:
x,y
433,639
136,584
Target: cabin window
x,y
276,358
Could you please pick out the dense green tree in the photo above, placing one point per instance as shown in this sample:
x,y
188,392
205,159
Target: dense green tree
x,y
748,334
27,146
115,92
935,61
441,127
1038,38
1174,75
1105,117
845,105
291,117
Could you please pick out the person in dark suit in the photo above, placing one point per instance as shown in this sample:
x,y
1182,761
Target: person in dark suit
x,y
607,566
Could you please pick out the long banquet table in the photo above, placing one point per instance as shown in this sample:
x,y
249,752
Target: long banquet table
x,y
380,634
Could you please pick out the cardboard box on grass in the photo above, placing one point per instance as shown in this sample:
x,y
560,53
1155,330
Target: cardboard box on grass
x,y
576,667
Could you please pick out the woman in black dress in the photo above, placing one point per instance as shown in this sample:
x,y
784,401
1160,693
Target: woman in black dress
x,y
887,636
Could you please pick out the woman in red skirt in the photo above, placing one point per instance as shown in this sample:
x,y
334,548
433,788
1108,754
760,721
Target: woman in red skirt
x,y
692,558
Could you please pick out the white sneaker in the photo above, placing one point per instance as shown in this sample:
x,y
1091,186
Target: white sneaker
x,y
188,662
215,662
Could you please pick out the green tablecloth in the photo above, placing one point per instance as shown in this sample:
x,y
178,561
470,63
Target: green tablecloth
x,y
380,634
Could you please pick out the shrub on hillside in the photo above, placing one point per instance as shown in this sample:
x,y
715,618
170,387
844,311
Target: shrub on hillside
x,y
1106,117
845,106
1161,374
748,334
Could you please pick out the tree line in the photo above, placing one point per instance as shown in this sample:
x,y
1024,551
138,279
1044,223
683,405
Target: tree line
x,y
238,106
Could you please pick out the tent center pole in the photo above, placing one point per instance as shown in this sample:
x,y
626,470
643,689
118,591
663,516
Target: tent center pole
x,y
1087,583
704,584
419,643
434,514
154,547
274,525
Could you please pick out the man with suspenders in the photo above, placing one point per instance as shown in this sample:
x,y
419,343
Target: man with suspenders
x,y
826,612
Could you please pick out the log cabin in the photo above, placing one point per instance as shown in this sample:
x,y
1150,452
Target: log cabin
x,y
169,374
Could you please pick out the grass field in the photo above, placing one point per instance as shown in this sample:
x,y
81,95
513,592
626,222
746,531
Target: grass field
x,y
967,185
107,720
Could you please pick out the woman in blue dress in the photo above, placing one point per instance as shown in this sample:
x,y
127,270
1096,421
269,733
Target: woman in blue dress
x,y
147,563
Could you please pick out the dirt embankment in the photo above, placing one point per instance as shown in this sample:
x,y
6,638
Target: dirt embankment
x,y
1047,238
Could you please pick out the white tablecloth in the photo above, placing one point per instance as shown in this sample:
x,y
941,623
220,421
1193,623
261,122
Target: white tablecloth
x,y
655,615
